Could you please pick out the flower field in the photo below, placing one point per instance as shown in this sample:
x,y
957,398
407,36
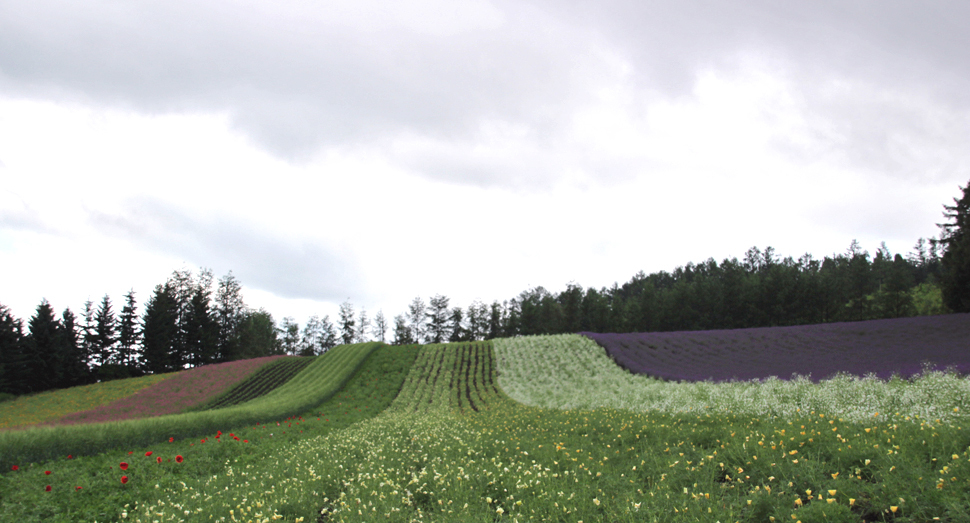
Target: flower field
x,y
260,382
902,346
189,483
54,404
572,372
178,393
533,429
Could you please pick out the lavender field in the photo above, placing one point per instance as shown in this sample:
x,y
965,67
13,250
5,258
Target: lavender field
x,y
903,347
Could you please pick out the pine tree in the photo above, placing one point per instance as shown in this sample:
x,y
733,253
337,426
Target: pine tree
x,y
363,325
417,320
328,335
230,310
438,319
289,332
42,363
456,326
347,323
105,333
402,332
11,352
129,334
201,327
955,238
160,332
87,333
380,326
74,370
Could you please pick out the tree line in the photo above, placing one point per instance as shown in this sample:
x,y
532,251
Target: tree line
x,y
761,289
189,320
193,320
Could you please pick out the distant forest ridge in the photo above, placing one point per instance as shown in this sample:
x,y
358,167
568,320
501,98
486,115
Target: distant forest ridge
x,y
194,320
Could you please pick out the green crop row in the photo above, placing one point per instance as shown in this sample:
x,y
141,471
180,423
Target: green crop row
x,y
318,382
449,376
261,382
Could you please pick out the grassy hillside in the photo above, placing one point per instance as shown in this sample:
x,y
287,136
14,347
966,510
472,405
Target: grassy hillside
x,y
208,465
318,382
51,405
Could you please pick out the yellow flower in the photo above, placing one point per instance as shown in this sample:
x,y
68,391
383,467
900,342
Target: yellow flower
x,y
832,492
596,502
894,508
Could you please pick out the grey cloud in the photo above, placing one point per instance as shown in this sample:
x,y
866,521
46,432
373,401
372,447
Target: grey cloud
x,y
298,80
297,269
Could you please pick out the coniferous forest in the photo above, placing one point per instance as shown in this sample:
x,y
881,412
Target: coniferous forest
x,y
192,320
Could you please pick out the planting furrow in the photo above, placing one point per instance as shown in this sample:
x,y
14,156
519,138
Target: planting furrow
x,y
260,383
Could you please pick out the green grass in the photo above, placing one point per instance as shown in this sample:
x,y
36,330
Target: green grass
x,y
54,404
318,382
430,456
207,467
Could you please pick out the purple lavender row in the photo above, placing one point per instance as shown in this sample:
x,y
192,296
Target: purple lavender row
x,y
902,347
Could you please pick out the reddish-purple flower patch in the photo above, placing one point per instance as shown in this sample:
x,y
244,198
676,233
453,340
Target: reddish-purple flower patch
x,y
187,389
883,347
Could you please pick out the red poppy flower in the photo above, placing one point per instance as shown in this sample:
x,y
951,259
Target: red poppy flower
x,y
15,467
131,452
47,472
245,441
123,466
47,488
171,440
178,459
77,488
124,479
158,459
149,453
69,456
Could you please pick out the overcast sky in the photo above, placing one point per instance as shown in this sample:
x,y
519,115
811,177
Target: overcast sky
x,y
378,151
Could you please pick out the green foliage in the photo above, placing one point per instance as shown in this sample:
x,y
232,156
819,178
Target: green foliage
x,y
318,382
928,299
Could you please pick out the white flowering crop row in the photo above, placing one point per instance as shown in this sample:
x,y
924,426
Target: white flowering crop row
x,y
573,372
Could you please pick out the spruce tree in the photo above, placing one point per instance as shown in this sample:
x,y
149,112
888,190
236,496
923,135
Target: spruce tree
x,y
347,323
230,312
160,332
955,238
105,333
42,356
438,319
74,369
129,334
11,352
201,329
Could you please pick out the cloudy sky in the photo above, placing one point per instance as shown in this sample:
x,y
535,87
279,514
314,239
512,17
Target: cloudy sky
x,y
378,151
